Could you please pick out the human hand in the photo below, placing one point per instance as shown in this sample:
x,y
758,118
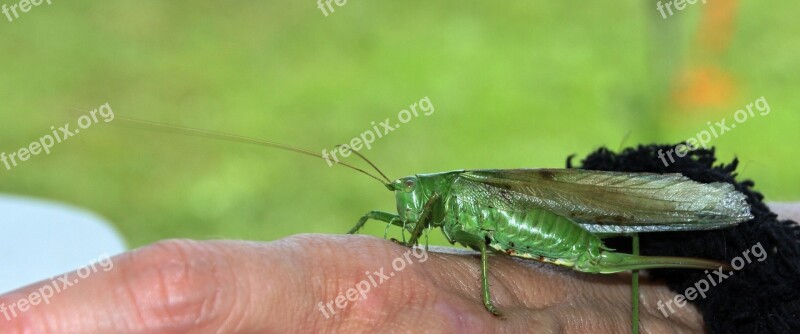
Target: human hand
x,y
184,286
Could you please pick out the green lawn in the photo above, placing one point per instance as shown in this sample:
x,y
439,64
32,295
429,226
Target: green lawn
x,y
514,84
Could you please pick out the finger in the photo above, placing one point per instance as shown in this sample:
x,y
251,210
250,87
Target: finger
x,y
184,286
170,287
556,299
303,283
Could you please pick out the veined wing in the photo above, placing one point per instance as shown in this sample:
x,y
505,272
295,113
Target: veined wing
x,y
612,202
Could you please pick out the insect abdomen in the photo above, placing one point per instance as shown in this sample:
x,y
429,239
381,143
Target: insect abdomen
x,y
537,234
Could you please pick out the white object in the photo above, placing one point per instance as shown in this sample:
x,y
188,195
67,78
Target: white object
x,y
786,210
41,239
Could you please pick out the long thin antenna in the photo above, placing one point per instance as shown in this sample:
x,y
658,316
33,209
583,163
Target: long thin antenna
x,y
242,139
369,162
624,139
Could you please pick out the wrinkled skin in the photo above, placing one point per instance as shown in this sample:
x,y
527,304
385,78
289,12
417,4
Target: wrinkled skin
x,y
183,286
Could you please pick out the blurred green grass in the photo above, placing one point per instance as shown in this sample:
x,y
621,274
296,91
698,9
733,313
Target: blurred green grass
x,y
516,84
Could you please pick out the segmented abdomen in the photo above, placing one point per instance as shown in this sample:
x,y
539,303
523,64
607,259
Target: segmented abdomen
x,y
534,233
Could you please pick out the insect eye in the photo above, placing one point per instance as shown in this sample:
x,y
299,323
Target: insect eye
x,y
408,186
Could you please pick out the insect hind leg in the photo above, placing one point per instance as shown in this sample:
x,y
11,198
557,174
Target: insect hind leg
x,y
487,298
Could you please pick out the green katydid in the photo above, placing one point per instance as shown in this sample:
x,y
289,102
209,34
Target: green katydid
x,y
558,216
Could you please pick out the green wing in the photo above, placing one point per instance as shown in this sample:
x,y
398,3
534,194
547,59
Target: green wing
x,y
612,202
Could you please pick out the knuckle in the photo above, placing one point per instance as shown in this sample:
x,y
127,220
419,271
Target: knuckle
x,y
179,284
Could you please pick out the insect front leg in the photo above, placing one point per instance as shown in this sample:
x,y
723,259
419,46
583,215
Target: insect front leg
x,y
377,215
424,219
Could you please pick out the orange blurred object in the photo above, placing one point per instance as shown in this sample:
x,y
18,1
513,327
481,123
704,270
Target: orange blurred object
x,y
703,84
706,86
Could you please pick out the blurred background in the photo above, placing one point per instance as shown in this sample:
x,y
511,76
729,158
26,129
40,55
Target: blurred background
x,y
514,84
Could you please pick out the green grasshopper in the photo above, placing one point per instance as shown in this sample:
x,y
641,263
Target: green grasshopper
x,y
558,216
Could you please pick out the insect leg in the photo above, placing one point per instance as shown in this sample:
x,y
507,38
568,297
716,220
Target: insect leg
x,y
403,232
424,219
376,215
386,230
487,299
635,290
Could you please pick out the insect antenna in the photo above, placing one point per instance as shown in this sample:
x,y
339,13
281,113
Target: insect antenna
x,y
230,137
369,162
624,139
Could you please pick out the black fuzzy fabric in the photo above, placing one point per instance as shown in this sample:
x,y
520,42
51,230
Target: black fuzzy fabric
x,y
762,297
